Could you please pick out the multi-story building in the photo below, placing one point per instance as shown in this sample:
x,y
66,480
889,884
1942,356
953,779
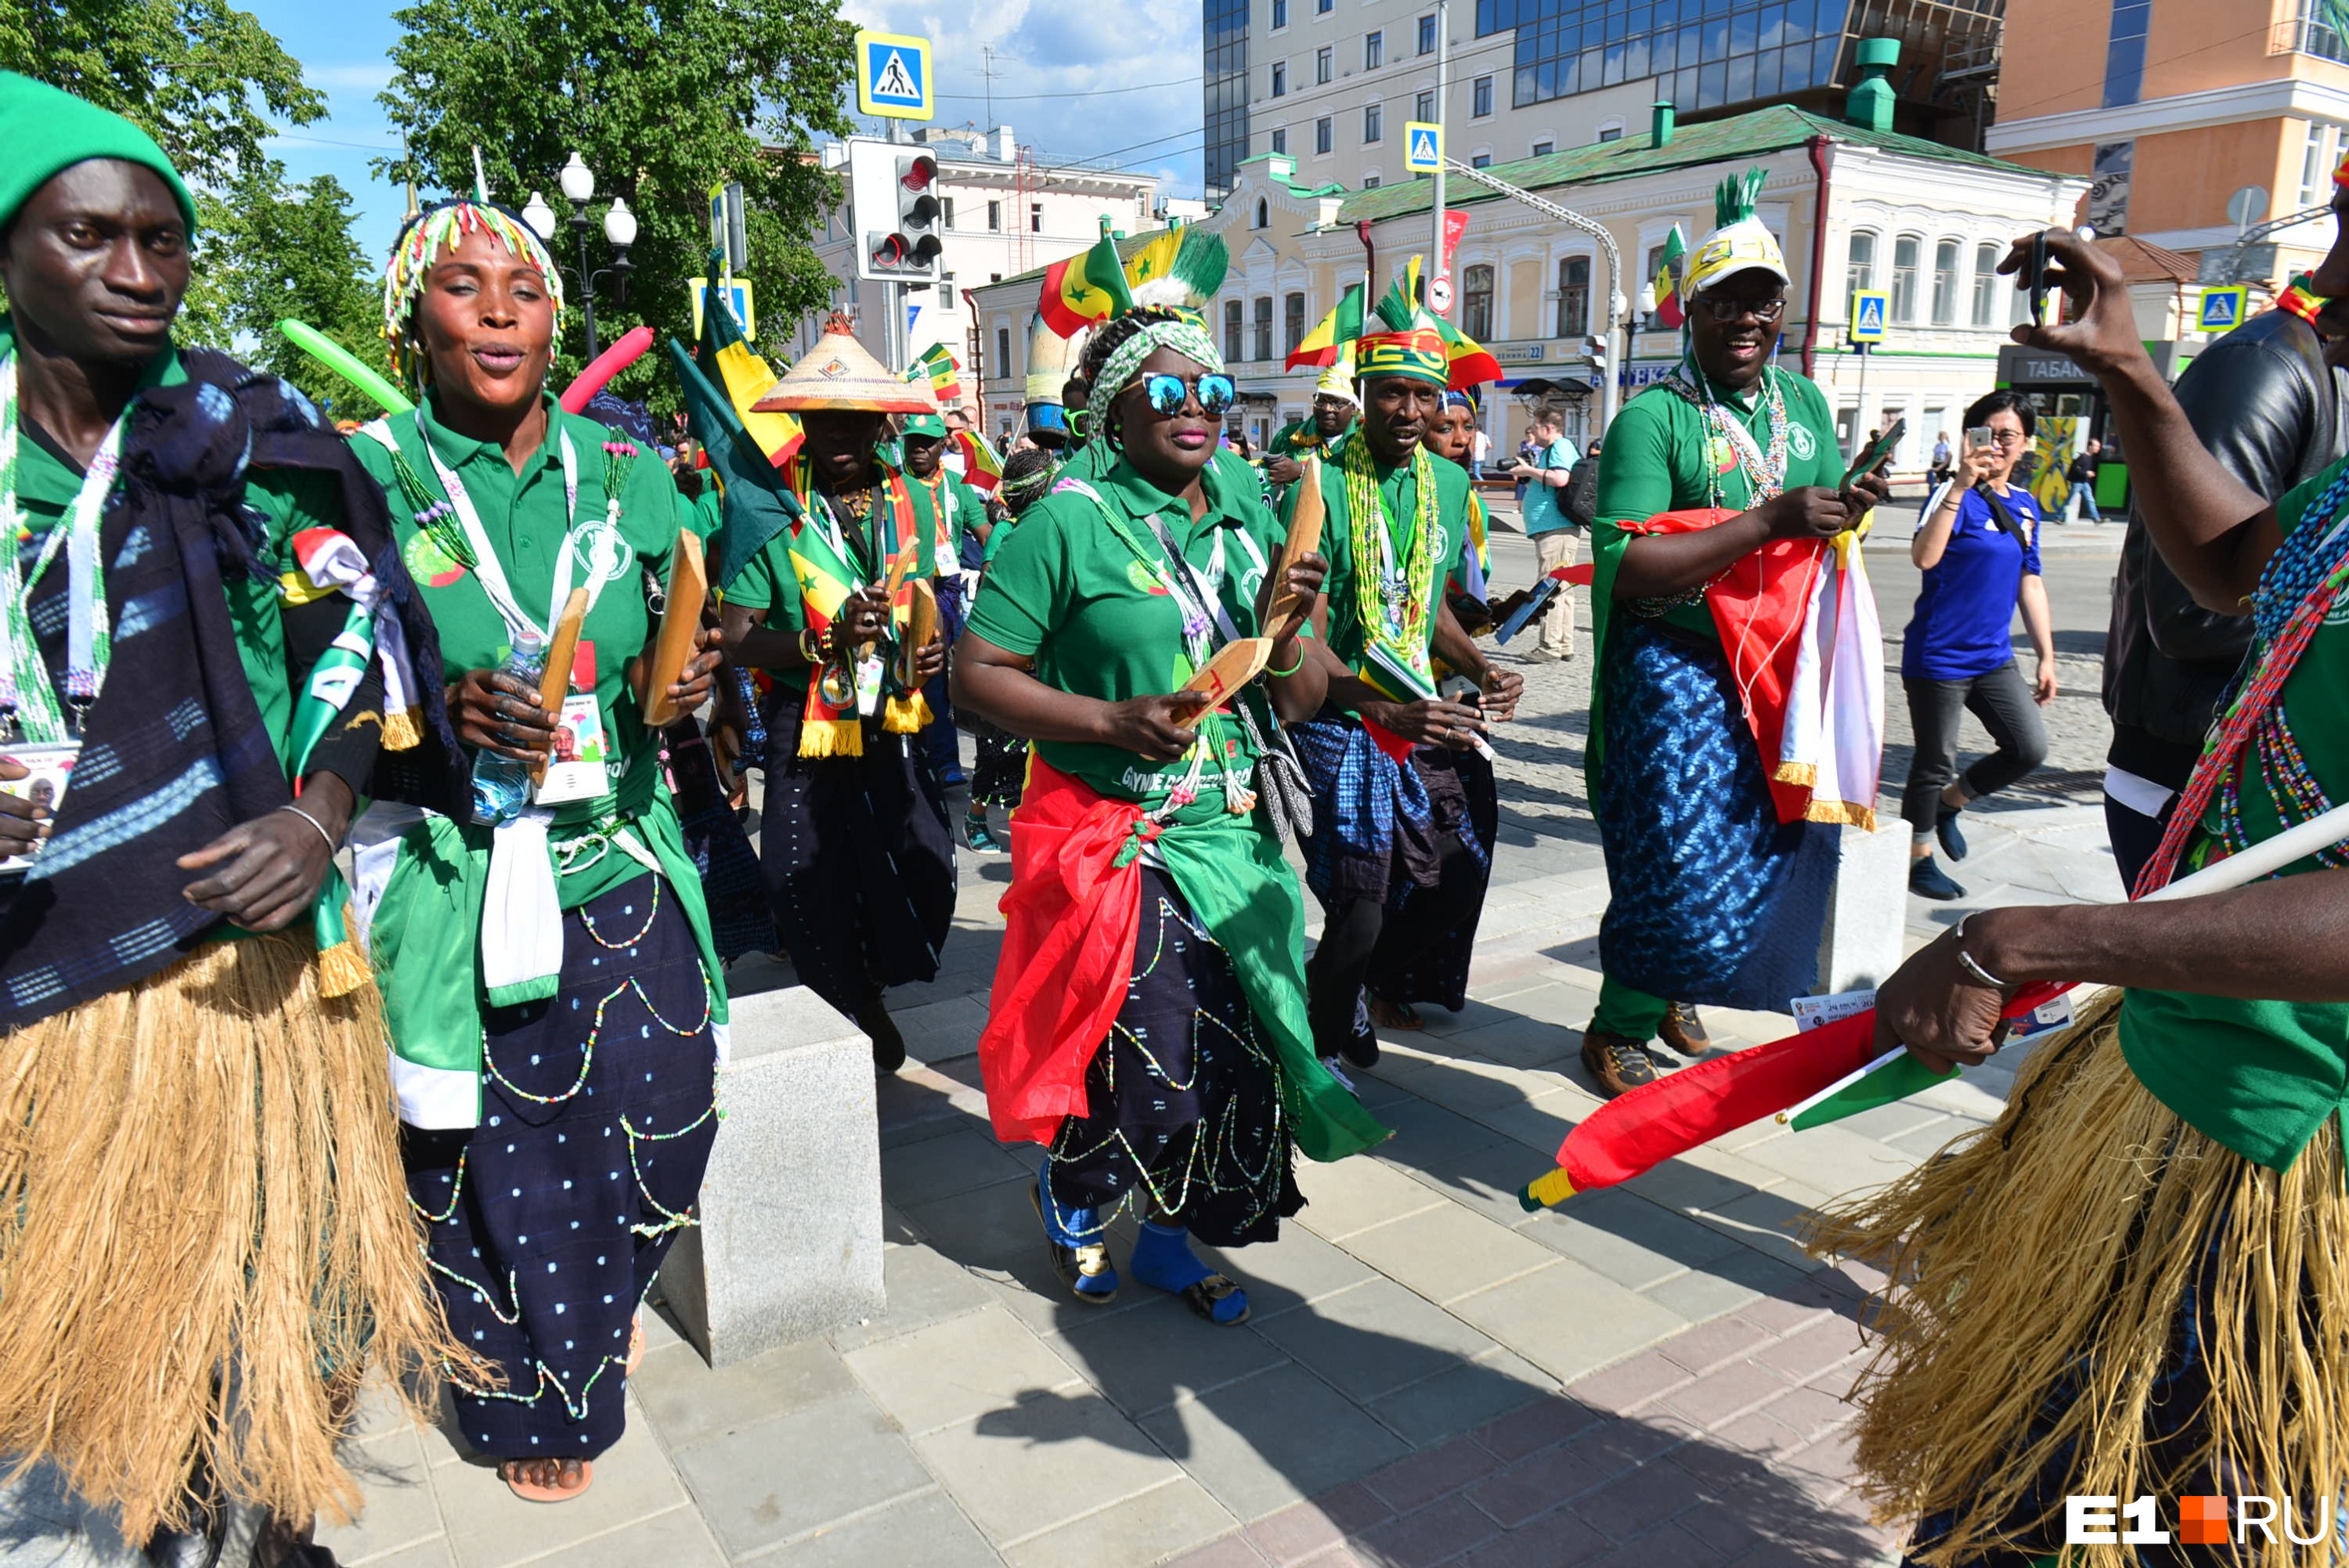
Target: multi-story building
x,y
1001,213
1332,83
1855,205
2173,109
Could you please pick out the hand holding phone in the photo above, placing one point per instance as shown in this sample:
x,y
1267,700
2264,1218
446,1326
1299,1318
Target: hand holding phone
x,y
1877,452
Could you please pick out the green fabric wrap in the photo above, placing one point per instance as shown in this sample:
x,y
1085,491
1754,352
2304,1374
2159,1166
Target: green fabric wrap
x,y
1231,872
47,131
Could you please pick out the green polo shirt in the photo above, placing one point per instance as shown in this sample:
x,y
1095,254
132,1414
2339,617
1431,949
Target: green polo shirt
x,y
963,505
767,582
1350,578
526,519
2260,1077
1069,594
287,502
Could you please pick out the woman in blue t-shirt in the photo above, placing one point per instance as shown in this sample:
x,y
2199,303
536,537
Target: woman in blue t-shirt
x,y
1978,545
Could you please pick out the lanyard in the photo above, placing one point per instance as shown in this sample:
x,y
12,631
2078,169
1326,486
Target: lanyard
x,y
29,700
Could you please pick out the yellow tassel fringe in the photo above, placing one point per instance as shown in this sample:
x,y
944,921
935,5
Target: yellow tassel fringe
x,y
832,738
402,730
906,715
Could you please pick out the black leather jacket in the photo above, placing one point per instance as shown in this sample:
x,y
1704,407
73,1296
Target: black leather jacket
x,y
2273,414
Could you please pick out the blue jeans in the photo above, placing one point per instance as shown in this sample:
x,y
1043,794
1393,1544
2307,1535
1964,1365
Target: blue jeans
x,y
2086,496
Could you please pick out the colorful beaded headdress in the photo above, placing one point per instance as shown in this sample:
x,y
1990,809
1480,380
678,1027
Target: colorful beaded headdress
x,y
1401,339
1740,242
438,228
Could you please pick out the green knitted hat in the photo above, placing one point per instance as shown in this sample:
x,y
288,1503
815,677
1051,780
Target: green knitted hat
x,y
47,131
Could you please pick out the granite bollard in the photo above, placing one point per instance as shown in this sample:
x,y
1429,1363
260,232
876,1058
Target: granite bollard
x,y
1868,913
790,1241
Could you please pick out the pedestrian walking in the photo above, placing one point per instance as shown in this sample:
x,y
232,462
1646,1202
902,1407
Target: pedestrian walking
x,y
2270,402
1147,1024
2080,473
2132,1283
854,836
546,958
1939,471
1545,477
1977,549
1480,452
1720,486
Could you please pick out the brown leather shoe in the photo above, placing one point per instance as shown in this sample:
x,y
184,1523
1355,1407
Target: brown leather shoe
x,y
1615,1062
1684,1032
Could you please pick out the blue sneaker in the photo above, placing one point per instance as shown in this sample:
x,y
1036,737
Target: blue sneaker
x,y
982,841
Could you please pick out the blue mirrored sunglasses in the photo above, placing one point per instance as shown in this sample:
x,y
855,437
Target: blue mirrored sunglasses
x,y
1168,394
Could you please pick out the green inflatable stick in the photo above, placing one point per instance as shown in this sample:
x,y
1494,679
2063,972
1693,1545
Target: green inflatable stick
x,y
344,364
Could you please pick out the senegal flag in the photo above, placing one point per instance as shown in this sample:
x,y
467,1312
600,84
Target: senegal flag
x,y
1322,345
981,469
1086,288
1469,362
757,501
727,359
1668,279
938,365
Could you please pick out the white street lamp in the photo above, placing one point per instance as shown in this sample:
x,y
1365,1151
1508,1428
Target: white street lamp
x,y
619,224
577,180
539,216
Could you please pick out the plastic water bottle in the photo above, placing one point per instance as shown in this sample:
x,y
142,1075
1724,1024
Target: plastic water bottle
x,y
501,783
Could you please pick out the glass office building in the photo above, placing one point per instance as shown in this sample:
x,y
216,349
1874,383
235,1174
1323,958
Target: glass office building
x,y
1224,40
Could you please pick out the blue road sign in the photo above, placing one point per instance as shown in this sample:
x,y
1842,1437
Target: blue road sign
x,y
1868,310
892,76
1423,142
2222,309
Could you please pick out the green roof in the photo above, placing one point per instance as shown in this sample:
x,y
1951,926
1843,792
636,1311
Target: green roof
x,y
1772,129
1304,192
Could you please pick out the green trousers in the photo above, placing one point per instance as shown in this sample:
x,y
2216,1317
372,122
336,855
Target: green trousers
x,y
1632,1014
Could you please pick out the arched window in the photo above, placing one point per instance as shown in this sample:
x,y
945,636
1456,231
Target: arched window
x,y
1002,352
1945,283
1906,250
1263,214
1986,281
1574,296
1859,266
1476,303
1292,316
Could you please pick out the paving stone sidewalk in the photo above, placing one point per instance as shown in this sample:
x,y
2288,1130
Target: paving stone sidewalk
x,y
1651,1375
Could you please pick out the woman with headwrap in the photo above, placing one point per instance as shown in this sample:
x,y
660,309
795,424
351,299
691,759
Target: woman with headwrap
x,y
206,637
1148,1018
557,1005
1002,768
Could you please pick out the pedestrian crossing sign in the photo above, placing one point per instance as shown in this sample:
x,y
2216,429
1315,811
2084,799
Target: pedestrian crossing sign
x,y
1868,313
2222,309
1423,144
892,76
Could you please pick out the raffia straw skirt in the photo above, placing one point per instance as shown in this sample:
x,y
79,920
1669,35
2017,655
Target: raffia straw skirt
x,y
205,1236
2091,1297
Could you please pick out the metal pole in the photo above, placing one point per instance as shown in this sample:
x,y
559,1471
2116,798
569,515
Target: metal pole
x,y
587,287
1443,63
893,298
1859,415
1617,342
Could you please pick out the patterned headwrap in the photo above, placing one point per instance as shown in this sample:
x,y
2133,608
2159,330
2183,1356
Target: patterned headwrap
x,y
1399,338
1181,333
1028,473
2300,299
440,228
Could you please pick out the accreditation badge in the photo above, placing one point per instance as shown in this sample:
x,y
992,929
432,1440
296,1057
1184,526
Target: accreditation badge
x,y
52,767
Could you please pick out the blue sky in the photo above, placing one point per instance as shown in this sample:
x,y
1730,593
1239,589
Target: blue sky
x,y
1127,94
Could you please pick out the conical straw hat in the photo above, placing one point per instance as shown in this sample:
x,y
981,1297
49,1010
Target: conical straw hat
x,y
838,374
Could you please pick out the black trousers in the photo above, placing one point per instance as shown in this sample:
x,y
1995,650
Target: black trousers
x,y
2002,700
1350,938
2135,837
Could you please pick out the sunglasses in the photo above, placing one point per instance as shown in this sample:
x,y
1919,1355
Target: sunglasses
x,y
1762,310
1168,394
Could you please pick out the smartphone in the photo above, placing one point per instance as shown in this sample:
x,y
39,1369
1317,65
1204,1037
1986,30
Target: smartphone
x,y
1544,592
1877,451
1981,438
2034,277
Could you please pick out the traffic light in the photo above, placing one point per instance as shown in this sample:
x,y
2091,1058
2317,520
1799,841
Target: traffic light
x,y
893,211
1596,348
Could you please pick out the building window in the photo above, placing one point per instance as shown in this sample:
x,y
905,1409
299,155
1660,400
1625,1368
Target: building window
x,y
1945,283
2124,52
1235,329
1263,214
1323,7
1374,49
1280,139
1002,353
1480,95
1321,134
995,217
1543,149
945,211
1476,301
1423,108
1427,34
1985,284
1373,122
1904,277
2316,161
1280,79
1610,133
1370,181
1263,327
1573,297
1292,322
1324,64
1859,264
1279,14
1481,161
1035,217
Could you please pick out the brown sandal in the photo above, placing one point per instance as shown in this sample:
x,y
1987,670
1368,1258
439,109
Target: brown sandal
x,y
1399,1017
510,1473
635,1345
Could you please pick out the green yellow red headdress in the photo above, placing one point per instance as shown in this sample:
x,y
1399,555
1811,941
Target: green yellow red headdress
x,y
2300,299
1400,338
1740,242
438,228
1180,269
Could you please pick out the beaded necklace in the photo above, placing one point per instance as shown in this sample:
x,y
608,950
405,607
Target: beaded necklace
x,y
1765,471
2298,589
28,696
1396,613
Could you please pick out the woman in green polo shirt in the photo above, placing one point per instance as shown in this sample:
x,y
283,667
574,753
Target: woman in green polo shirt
x,y
556,1009
2136,1283
1148,1017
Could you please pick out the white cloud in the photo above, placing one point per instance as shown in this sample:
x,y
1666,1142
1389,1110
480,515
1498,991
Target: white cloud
x,y
1096,55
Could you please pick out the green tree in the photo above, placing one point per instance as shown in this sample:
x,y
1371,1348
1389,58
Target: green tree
x,y
290,253
663,100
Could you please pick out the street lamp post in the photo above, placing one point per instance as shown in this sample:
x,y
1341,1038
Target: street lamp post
x,y
577,183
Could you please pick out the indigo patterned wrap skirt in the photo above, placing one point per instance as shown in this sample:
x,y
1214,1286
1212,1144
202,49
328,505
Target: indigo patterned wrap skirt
x,y
546,1224
859,867
1183,1105
1712,899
